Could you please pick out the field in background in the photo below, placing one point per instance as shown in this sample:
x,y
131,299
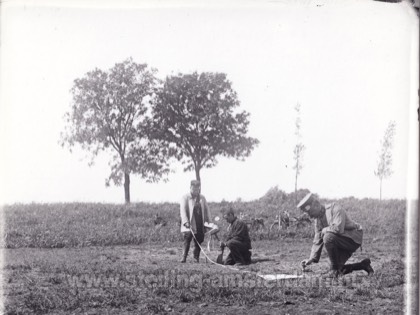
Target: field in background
x,y
80,225
88,259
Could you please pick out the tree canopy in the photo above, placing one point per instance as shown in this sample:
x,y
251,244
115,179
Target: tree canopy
x,y
299,148
383,168
195,115
108,113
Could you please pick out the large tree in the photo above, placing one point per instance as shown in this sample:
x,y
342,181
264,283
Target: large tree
x,y
195,115
383,168
108,113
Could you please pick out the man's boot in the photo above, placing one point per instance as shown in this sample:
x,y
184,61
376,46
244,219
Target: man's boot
x,y
196,254
247,257
366,266
363,265
185,252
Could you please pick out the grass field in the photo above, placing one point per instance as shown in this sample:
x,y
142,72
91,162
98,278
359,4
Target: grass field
x,y
112,259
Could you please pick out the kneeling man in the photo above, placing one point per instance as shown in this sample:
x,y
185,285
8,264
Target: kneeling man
x,y
237,240
340,235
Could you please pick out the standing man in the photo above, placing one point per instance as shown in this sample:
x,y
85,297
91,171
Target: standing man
x,y
340,235
237,240
194,212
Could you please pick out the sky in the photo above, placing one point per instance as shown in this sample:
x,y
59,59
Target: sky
x,y
351,65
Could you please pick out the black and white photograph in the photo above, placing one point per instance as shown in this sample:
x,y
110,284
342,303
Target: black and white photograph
x,y
209,157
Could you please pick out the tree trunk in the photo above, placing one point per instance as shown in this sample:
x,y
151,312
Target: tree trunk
x,y
380,189
197,174
127,187
296,198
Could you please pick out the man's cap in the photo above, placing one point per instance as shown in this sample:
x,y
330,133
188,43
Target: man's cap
x,y
306,202
227,210
195,182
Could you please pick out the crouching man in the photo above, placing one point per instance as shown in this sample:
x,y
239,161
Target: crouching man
x,y
340,235
237,240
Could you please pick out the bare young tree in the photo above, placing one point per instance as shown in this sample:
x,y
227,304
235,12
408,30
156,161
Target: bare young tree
x,y
383,169
299,148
